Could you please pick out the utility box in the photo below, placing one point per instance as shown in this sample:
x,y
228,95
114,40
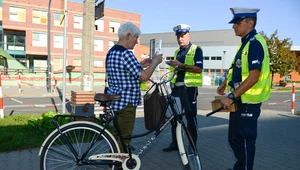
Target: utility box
x,y
83,103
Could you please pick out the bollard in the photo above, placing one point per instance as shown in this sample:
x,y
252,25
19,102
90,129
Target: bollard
x,y
1,100
293,98
19,82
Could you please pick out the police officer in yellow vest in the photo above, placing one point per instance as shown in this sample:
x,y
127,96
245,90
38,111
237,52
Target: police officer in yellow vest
x,y
185,83
249,84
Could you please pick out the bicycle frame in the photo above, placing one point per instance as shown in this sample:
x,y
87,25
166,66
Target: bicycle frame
x,y
119,157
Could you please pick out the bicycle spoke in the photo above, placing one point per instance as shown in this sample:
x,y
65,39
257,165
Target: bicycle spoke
x,y
84,138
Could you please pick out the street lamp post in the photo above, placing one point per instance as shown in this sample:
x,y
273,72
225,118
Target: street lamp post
x,y
48,78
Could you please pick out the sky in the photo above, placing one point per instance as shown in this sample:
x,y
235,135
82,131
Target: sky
x,y
158,16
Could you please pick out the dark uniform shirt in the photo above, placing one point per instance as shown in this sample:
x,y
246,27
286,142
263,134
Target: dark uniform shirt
x,y
198,60
255,57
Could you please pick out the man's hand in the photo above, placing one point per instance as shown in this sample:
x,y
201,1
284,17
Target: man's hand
x,y
157,58
146,62
175,63
221,88
226,102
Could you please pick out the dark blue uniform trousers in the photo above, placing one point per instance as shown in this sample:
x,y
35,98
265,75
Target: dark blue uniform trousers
x,y
188,98
242,134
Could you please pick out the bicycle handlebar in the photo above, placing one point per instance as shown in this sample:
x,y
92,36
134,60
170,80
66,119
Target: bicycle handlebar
x,y
166,74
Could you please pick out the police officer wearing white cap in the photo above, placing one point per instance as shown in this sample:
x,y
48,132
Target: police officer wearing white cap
x,y
249,83
185,82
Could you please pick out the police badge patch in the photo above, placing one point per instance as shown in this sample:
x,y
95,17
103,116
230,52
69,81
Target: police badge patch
x,y
238,63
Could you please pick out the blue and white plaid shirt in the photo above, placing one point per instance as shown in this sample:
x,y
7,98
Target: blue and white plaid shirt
x,y
123,72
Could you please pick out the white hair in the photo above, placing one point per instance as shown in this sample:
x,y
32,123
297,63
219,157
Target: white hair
x,y
128,27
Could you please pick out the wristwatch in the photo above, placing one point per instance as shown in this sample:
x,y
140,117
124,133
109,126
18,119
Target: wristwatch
x,y
231,96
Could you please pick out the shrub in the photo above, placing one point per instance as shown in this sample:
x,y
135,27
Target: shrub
x,y
44,124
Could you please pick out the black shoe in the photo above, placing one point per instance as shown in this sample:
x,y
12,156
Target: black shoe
x,y
172,147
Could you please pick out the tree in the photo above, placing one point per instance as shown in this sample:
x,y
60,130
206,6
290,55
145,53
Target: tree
x,y
282,59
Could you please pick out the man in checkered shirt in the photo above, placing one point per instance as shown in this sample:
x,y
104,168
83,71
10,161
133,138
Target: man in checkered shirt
x,y
125,74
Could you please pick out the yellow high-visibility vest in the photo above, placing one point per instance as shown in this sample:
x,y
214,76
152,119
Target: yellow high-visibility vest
x,y
190,79
260,91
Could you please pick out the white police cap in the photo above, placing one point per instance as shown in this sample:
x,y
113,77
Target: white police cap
x,y
181,29
241,13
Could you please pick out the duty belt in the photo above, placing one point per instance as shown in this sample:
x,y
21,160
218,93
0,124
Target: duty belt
x,y
178,84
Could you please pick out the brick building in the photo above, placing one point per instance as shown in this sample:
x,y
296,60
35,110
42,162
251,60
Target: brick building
x,y
23,33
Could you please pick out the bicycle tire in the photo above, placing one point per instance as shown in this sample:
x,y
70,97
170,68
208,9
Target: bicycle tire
x,y
55,153
188,152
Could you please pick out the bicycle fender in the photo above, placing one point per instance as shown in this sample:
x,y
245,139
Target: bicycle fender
x,y
180,144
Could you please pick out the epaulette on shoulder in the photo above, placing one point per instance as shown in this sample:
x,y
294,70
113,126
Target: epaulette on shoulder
x,y
253,38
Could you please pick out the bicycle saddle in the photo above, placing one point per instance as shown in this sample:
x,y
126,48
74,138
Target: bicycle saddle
x,y
100,97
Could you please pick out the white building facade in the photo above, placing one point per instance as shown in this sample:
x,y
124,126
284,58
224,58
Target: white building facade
x,y
218,46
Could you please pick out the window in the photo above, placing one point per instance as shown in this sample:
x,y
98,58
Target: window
x,y
1,16
216,58
98,63
113,26
215,71
58,16
14,40
40,64
205,58
205,72
111,44
77,43
57,63
99,25
1,39
39,17
98,45
39,39
58,41
76,62
17,14
78,22
170,58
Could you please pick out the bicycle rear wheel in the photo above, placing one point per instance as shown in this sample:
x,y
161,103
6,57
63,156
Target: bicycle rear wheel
x,y
187,150
56,153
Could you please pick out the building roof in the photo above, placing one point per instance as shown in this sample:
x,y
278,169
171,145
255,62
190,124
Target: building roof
x,y
12,63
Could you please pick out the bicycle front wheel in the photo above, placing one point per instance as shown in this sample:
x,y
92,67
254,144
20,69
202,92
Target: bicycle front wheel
x,y
57,153
187,150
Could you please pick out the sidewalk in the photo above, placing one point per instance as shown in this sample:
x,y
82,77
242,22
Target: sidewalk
x,y
278,145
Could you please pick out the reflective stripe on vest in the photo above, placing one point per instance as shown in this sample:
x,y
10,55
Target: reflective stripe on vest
x,y
190,79
260,91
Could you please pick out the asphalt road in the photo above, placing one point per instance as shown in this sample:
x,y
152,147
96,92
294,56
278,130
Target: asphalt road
x,y
280,101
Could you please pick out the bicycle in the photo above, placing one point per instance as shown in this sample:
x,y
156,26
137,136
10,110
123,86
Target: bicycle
x,y
87,145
